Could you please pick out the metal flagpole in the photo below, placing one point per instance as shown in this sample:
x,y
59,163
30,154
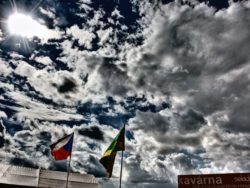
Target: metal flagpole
x,y
68,171
39,174
121,170
122,160
69,163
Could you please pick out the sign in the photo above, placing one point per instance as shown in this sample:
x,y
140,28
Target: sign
x,y
236,180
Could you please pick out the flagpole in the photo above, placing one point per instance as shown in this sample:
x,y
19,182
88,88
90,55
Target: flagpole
x,y
122,161
68,172
121,170
69,163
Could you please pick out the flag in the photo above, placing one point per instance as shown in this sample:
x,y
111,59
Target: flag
x,y
108,158
62,148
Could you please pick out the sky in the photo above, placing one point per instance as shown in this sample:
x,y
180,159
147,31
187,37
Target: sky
x,y
175,72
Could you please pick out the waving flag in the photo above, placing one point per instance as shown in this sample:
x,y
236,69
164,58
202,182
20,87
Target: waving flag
x,y
109,155
62,148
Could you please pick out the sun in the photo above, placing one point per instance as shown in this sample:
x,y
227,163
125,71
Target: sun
x,y
25,26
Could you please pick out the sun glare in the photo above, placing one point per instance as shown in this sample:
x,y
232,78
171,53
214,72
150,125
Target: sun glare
x,y
25,26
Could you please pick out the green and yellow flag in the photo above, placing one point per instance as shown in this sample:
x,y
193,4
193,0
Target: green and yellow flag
x,y
108,157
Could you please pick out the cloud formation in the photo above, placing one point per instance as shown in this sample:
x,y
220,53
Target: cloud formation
x,y
176,73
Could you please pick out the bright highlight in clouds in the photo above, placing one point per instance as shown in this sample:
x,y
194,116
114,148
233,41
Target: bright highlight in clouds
x,y
26,26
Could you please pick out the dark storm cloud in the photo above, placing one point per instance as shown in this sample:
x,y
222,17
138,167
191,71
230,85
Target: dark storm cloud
x,y
68,85
174,143
201,69
151,123
171,133
190,121
114,80
92,132
45,136
235,119
177,62
239,118
229,95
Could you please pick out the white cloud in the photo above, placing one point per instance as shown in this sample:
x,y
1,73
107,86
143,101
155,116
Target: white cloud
x,y
96,21
6,86
24,69
85,5
51,83
16,56
107,51
1,35
44,60
104,35
47,12
116,13
3,114
48,84
53,34
5,70
85,1
84,37
34,110
197,59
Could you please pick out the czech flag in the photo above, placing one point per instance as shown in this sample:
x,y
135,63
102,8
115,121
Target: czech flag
x,y
62,148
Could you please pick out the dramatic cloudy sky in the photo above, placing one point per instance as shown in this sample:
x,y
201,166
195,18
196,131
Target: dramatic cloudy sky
x,y
176,72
